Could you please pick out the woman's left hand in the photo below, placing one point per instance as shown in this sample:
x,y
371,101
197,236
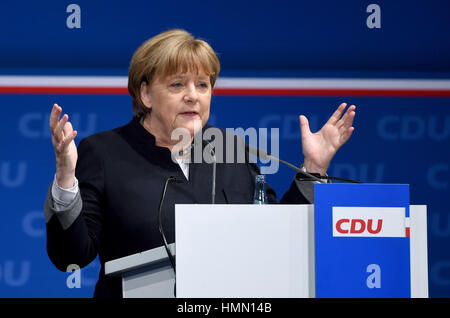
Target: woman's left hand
x,y
320,147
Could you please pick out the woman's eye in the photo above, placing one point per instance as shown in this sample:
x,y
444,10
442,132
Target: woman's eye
x,y
203,85
176,85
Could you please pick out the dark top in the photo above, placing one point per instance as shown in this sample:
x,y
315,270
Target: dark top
x,y
121,175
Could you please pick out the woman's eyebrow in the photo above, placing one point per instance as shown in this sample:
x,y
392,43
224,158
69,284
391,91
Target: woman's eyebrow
x,y
182,77
177,77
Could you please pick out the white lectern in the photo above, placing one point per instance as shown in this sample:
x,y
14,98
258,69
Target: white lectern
x,y
245,251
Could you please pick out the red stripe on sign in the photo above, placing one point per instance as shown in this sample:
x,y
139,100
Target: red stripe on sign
x,y
407,230
63,90
79,90
331,92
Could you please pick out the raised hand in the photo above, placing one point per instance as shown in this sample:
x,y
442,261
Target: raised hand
x,y
320,147
66,153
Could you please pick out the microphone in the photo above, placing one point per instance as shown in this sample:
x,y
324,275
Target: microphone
x,y
214,159
266,156
161,229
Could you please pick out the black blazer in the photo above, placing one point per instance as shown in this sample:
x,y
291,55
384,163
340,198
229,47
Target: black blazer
x,y
121,175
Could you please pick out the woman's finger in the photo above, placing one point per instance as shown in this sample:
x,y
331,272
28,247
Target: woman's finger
x,y
347,119
58,132
337,114
54,117
348,133
69,133
68,139
346,122
304,126
67,129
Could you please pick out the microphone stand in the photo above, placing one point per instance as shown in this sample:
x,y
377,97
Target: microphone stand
x,y
266,156
214,162
161,230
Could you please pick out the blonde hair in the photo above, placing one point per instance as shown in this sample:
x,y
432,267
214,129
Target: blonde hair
x,y
166,54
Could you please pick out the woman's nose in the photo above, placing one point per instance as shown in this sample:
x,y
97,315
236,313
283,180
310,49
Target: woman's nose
x,y
191,94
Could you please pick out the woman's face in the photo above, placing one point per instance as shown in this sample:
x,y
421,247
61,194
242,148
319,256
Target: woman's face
x,y
177,101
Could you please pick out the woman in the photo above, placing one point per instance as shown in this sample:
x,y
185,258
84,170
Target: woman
x,y
105,195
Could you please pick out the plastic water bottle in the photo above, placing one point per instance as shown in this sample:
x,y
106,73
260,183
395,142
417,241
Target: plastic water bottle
x,y
260,196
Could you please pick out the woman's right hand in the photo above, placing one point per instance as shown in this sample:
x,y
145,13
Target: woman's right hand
x,y
66,153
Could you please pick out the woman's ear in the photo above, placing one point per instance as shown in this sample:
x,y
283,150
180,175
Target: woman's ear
x,y
145,95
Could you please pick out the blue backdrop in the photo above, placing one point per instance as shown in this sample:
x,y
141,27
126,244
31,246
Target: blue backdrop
x,y
397,139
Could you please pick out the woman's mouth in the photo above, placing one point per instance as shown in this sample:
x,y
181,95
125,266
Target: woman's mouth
x,y
189,114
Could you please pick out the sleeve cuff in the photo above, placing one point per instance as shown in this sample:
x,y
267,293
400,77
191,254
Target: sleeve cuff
x,y
62,198
301,177
67,214
306,185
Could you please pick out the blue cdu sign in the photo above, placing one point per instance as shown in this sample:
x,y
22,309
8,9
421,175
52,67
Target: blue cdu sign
x,y
362,240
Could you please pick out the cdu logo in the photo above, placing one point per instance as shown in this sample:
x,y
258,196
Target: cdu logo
x,y
358,226
13,174
34,125
370,222
414,127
